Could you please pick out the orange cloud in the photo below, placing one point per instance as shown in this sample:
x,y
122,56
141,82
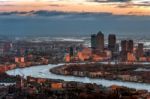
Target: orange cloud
x,y
115,8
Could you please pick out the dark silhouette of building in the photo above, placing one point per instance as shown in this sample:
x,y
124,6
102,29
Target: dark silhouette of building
x,y
124,50
140,51
130,46
93,41
71,51
126,47
100,41
112,42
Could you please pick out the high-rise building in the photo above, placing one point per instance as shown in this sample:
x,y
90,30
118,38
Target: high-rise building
x,y
112,42
130,46
93,41
140,51
100,41
71,51
127,46
124,45
124,51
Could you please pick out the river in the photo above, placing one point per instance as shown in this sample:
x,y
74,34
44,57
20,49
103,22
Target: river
x,y
43,72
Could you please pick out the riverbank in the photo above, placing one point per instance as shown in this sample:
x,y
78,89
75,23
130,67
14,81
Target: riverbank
x,y
43,72
9,79
119,72
42,88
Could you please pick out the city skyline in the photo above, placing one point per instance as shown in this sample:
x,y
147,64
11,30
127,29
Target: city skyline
x,y
74,49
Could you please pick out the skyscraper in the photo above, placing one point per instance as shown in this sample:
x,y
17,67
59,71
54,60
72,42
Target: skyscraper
x,y
112,42
124,45
71,51
93,41
130,46
140,51
100,41
124,52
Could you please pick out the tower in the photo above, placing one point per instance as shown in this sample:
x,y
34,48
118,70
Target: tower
x,y
139,51
130,46
100,41
93,41
124,45
71,51
124,50
112,42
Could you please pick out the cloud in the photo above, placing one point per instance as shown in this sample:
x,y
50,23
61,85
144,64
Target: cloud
x,y
56,5
121,7
49,23
64,15
13,13
111,0
56,14
125,3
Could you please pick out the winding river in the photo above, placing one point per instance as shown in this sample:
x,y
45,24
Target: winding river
x,y
43,72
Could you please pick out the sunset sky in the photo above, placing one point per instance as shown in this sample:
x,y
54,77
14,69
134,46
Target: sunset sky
x,y
121,7
74,17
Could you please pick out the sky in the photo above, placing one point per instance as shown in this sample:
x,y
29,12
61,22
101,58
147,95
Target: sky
x,y
57,24
121,7
74,17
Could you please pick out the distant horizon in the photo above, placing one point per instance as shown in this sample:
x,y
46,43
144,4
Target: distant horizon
x,y
87,36
51,23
